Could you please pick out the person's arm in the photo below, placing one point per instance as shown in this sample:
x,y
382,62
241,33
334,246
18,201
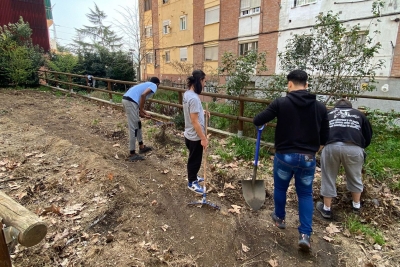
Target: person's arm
x,y
324,131
194,117
266,115
142,112
367,131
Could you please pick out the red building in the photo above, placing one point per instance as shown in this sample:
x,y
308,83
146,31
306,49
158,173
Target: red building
x,y
33,12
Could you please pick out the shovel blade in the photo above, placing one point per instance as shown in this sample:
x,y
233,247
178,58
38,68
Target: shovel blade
x,y
254,194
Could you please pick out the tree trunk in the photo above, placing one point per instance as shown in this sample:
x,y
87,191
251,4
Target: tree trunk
x,y
31,229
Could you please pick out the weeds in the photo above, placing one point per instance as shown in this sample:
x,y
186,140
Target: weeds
x,y
355,226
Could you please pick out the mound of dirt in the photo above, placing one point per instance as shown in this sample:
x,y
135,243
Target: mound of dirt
x,y
64,159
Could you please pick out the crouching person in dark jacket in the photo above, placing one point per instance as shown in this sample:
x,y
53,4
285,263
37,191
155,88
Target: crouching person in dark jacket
x,y
349,133
302,127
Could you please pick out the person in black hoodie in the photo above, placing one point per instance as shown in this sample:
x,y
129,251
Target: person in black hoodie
x,y
302,127
350,132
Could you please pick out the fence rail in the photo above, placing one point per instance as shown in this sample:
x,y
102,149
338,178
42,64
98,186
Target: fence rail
x,y
239,118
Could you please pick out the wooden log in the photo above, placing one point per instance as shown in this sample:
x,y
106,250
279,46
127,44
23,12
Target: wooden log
x,y
31,229
5,260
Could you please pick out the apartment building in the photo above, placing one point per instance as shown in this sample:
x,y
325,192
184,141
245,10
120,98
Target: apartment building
x,y
199,32
179,34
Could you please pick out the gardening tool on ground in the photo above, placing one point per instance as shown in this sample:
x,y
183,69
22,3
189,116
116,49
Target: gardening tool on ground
x,y
204,199
254,190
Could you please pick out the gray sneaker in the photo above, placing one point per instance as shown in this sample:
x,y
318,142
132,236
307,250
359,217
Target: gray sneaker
x,y
327,214
304,242
280,223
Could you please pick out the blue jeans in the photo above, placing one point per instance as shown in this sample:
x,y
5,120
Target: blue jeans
x,y
302,166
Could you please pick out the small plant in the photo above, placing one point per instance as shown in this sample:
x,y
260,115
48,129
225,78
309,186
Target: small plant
x,y
95,122
225,155
184,152
355,226
179,121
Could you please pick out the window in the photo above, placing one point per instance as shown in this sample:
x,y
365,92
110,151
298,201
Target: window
x,y
149,58
147,5
164,1
303,2
212,15
211,53
351,42
250,7
183,54
167,57
166,27
244,48
148,31
182,23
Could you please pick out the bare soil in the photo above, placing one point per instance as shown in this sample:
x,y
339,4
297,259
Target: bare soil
x,y
63,158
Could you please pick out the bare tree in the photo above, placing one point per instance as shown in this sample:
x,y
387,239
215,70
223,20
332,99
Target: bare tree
x,y
132,26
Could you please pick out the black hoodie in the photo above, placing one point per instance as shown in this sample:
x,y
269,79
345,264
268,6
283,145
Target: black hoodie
x,y
302,124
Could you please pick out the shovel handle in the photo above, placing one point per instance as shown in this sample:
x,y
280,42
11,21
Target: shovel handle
x,y
259,131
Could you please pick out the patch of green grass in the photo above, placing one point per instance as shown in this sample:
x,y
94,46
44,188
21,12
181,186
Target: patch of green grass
x,y
218,122
117,98
58,93
166,95
224,153
95,122
244,148
184,152
355,226
382,157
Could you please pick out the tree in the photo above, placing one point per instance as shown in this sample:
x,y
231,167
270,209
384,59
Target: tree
x,y
19,58
338,60
133,27
240,70
98,33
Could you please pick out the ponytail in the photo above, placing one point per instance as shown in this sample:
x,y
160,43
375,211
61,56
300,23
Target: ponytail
x,y
195,81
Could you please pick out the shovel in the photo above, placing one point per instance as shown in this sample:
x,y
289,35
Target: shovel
x,y
254,190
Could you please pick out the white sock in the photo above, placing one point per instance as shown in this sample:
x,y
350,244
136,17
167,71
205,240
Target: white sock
x,y
327,208
356,205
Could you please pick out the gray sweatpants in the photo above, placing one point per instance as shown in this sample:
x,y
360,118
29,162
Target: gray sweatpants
x,y
352,159
134,124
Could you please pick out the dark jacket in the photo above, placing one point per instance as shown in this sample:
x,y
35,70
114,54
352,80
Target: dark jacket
x,y
302,124
349,125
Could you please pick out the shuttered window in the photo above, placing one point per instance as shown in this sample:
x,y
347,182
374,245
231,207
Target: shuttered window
x,y
183,54
211,53
212,15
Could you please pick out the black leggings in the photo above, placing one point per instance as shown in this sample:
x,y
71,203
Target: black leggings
x,y
195,157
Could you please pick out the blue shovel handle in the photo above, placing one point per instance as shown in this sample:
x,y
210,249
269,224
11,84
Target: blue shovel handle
x,y
259,131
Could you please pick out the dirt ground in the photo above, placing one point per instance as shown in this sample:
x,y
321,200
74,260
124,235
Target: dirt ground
x,y
63,158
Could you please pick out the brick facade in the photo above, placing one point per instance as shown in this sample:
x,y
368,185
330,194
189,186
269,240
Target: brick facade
x,y
395,71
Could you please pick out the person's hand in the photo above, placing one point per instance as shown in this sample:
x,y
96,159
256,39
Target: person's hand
x,y
144,114
204,143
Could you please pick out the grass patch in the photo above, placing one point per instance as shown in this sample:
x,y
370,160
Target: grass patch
x,y
355,226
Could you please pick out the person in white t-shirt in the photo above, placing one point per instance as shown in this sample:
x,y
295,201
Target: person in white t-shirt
x,y
195,137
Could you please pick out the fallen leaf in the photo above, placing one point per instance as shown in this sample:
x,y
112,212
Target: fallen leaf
x,y
245,248
192,237
346,233
116,156
165,227
376,257
53,208
332,229
377,247
14,186
229,186
116,145
273,263
221,194
236,209
110,176
327,238
154,202
165,171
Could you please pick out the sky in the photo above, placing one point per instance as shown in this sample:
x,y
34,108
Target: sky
x,y
71,14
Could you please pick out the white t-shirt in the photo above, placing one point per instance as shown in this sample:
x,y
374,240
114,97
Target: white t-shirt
x,y
192,104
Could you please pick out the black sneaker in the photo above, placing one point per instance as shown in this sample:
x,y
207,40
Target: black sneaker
x,y
135,157
280,223
327,214
304,242
145,149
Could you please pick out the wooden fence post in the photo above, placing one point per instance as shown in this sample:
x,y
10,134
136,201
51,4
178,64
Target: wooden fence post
x,y
180,98
45,77
241,112
31,229
109,89
56,78
70,81
5,260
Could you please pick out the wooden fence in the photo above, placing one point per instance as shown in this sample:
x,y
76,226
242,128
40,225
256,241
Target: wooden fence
x,y
238,118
